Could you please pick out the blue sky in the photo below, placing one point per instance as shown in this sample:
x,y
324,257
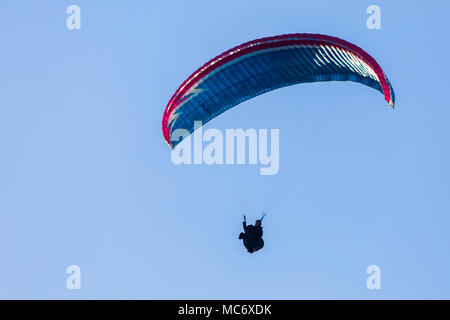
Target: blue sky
x,y
86,177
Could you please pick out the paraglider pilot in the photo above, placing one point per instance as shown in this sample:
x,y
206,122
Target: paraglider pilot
x,y
252,236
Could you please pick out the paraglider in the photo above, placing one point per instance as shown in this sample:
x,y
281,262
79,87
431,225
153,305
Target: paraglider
x,y
260,66
252,235
263,65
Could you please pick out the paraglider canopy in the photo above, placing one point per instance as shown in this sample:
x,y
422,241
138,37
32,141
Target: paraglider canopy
x,y
265,64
